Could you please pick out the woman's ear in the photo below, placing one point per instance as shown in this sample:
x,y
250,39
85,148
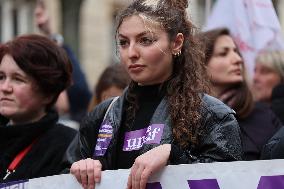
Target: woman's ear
x,y
62,104
177,43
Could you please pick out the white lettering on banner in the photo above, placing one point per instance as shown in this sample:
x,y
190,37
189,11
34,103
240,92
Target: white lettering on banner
x,y
106,130
137,143
265,174
101,139
134,140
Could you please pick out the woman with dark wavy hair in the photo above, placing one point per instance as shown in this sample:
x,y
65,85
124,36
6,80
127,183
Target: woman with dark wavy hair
x,y
33,72
164,117
226,69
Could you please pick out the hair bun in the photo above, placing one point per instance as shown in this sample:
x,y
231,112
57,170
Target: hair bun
x,y
180,4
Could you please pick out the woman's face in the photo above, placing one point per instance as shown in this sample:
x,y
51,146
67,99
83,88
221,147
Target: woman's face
x,y
225,67
264,80
145,51
19,100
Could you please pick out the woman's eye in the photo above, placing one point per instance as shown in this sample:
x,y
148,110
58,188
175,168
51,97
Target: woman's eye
x,y
223,53
147,41
2,77
122,43
19,79
266,71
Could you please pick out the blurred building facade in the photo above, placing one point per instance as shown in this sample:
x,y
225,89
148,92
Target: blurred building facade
x,y
87,26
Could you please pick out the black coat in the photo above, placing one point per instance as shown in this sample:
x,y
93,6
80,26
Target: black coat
x,y
274,149
257,129
277,101
44,158
220,141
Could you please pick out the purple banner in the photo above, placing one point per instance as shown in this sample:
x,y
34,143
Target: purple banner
x,y
203,184
21,184
154,185
104,138
134,140
271,182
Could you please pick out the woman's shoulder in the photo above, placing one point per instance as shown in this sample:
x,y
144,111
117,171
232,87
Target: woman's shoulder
x,y
274,148
262,110
56,140
215,106
61,132
64,129
263,116
100,108
98,113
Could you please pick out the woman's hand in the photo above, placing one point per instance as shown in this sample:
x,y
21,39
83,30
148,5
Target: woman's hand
x,y
87,172
146,164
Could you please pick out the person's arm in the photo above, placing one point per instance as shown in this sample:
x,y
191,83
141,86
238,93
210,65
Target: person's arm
x,y
146,164
78,90
87,172
80,152
220,141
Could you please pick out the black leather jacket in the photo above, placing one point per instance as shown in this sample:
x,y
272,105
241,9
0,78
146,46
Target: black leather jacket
x,y
220,140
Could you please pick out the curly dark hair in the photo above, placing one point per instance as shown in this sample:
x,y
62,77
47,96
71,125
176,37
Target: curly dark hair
x,y
188,80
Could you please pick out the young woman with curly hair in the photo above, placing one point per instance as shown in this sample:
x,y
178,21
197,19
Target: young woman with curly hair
x,y
164,116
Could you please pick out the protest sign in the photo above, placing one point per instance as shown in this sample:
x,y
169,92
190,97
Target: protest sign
x,y
265,174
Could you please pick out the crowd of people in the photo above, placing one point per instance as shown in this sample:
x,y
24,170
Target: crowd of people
x,y
178,96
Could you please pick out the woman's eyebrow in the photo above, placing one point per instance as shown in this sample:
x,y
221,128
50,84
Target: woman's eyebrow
x,y
138,35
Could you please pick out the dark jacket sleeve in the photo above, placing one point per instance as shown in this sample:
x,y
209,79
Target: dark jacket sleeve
x,y
274,149
79,89
219,141
83,145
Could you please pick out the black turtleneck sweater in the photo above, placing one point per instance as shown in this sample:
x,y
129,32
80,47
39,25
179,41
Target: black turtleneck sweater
x,y
149,97
45,156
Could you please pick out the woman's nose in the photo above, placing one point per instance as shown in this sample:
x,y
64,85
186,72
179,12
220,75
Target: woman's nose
x,y
6,86
255,76
133,51
236,58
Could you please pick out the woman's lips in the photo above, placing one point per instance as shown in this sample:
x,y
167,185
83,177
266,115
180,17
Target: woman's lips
x,y
136,67
237,71
6,99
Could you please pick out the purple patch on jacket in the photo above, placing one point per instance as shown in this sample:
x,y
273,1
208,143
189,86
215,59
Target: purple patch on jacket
x,y
134,140
104,138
